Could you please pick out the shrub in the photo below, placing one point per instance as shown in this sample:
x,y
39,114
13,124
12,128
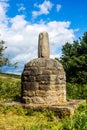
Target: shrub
x,y
82,107
9,89
80,121
14,109
76,91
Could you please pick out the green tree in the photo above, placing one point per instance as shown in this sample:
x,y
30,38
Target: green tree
x,y
4,61
74,60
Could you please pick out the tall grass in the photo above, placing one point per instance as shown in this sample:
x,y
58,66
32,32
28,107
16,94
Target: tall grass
x,y
17,118
10,88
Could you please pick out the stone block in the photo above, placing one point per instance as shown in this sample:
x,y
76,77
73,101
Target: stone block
x,y
37,100
41,93
40,78
44,87
30,86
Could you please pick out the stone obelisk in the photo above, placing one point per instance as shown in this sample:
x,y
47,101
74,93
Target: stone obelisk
x,y
43,78
43,45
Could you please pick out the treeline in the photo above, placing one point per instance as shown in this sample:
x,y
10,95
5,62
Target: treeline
x,y
74,60
10,75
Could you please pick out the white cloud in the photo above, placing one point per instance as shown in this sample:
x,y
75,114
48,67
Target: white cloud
x,y
44,8
3,9
18,22
58,7
22,37
23,41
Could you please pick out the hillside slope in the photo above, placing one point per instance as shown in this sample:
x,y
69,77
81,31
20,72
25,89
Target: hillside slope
x,y
10,87
7,75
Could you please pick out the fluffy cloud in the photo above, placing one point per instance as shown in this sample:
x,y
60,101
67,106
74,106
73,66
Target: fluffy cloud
x,y
22,37
44,8
3,9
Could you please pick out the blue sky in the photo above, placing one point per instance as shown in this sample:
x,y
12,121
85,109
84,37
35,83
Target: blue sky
x,y
21,21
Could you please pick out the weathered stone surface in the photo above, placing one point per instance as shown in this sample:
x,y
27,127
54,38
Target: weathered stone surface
x,y
47,78
61,110
43,45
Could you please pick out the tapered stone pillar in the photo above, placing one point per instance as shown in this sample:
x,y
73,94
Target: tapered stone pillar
x,y
43,45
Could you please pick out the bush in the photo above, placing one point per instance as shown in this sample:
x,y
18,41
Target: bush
x,y
67,124
78,121
10,89
76,91
82,107
49,114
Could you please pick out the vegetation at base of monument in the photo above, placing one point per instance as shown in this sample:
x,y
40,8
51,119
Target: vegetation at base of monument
x,y
15,117
4,61
76,91
10,87
79,120
74,60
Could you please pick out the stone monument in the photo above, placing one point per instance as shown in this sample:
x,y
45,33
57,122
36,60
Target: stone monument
x,y
43,84
43,79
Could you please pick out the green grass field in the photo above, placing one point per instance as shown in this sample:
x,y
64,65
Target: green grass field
x,y
17,118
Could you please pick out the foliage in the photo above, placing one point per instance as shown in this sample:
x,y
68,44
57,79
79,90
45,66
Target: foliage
x,y
10,88
76,91
74,60
79,120
14,117
4,61
50,115
82,107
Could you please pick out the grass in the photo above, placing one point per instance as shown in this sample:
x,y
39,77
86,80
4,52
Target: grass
x,y
16,118
10,87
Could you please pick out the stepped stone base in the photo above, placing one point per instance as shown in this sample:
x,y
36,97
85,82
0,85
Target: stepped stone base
x,y
43,82
61,110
